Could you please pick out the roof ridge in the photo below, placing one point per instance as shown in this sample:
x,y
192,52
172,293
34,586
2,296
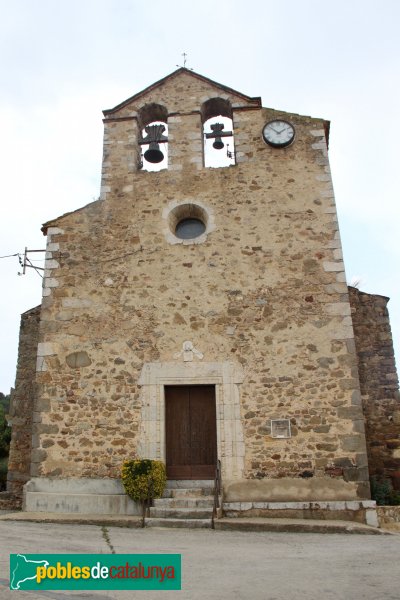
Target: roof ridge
x,y
254,99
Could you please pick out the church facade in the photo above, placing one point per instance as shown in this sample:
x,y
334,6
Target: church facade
x,y
198,313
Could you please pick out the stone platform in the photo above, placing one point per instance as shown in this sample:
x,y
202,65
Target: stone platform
x,y
360,511
78,496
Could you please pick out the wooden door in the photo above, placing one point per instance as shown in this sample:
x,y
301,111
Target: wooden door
x,y
191,431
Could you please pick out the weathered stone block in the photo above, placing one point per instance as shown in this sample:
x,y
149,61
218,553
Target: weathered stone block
x,y
38,455
76,302
45,349
339,308
356,398
75,360
350,412
43,405
352,443
333,266
363,490
356,474
359,426
45,428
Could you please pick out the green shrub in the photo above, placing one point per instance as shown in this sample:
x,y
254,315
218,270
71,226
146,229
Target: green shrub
x,y
143,479
383,493
380,490
394,498
3,473
5,434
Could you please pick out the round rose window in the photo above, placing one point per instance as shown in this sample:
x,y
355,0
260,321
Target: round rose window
x,y
189,228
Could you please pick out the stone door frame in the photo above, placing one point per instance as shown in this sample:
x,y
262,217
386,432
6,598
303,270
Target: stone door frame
x,y
226,376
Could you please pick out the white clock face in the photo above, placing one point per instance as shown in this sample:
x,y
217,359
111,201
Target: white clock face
x,y
278,133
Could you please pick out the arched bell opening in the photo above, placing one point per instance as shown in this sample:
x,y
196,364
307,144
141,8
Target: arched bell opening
x,y
219,147
153,139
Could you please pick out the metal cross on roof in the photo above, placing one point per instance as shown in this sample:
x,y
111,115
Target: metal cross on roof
x,y
184,54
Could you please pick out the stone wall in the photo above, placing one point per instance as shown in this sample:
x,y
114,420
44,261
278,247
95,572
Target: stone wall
x,y
10,501
22,402
389,517
263,291
379,383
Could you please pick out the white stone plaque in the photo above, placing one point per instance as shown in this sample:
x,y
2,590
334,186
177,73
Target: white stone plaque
x,y
280,428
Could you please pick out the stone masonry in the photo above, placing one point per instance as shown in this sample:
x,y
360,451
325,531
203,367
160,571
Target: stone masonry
x,y
379,383
22,399
257,305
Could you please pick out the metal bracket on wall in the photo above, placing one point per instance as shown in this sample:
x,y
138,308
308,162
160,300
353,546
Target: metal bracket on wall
x,y
27,263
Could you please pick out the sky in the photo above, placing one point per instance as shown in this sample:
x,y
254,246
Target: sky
x,y
62,63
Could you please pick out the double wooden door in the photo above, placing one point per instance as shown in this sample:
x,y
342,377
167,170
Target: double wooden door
x,y
191,431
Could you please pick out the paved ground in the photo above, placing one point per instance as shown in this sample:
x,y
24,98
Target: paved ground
x,y
220,565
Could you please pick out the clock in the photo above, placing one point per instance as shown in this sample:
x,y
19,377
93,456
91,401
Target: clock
x,y
278,134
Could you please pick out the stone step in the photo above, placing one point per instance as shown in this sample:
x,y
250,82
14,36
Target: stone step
x,y
181,523
180,513
189,483
362,511
199,502
187,492
294,526
75,518
184,503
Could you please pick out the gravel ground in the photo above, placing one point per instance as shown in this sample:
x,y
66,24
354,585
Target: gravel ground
x,y
223,564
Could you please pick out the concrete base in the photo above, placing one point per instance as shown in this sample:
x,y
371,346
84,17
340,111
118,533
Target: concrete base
x,y
362,511
295,526
251,524
78,496
290,490
74,519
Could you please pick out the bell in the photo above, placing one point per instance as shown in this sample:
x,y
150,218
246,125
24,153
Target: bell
x,y
153,153
218,144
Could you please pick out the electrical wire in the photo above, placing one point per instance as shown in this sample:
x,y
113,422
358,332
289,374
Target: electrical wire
x,y
33,267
